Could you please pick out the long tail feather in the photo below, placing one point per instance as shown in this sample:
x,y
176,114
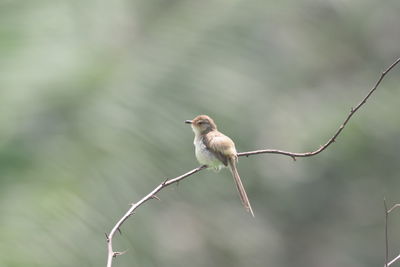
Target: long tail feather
x,y
239,186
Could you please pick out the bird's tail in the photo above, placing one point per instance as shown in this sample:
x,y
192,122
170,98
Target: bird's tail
x,y
239,185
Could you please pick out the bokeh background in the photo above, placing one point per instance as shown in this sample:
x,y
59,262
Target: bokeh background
x,y
93,95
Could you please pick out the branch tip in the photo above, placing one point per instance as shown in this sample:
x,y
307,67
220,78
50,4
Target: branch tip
x,y
385,205
155,197
118,253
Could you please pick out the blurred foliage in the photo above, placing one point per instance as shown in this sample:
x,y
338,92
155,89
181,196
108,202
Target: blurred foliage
x,y
92,103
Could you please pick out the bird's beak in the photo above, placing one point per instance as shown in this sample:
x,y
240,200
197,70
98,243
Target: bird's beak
x,y
188,121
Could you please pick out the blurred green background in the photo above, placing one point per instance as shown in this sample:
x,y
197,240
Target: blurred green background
x,y
93,95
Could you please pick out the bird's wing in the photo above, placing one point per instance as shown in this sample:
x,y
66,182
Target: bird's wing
x,y
220,145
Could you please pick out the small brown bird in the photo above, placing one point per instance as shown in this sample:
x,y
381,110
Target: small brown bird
x,y
217,150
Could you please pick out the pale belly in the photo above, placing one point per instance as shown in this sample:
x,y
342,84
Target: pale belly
x,y
205,157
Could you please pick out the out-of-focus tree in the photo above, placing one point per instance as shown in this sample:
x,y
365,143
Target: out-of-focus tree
x,y
93,98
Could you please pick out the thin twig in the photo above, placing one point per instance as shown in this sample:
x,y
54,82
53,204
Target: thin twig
x,y
393,208
387,211
386,234
109,238
338,131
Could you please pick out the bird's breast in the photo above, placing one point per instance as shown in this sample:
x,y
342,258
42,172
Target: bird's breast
x,y
205,156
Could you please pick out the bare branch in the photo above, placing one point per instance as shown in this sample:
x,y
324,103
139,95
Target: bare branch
x,y
393,208
393,261
111,253
152,195
338,131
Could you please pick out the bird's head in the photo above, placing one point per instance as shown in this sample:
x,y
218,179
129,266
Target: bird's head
x,y
202,124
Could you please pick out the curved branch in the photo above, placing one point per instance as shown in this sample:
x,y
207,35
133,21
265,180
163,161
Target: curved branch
x,y
109,237
111,253
338,131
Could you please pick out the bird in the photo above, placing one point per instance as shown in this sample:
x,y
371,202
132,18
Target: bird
x,y
216,151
